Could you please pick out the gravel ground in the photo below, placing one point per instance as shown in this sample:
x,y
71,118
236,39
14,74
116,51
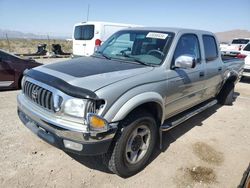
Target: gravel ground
x,y
211,149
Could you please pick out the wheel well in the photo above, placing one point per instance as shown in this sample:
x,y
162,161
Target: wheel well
x,y
153,108
230,80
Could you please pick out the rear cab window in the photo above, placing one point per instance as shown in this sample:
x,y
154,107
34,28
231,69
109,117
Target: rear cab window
x,y
240,41
210,47
84,32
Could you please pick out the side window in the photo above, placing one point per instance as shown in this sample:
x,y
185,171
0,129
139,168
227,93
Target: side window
x,y
188,44
210,47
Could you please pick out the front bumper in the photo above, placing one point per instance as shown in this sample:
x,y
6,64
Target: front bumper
x,y
56,135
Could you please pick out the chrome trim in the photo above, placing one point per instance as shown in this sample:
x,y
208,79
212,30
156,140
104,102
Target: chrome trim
x,y
39,115
59,93
33,123
6,83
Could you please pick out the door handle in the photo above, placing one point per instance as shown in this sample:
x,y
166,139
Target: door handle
x,y
202,74
220,68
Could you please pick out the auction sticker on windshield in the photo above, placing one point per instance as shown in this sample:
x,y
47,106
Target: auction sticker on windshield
x,y
157,35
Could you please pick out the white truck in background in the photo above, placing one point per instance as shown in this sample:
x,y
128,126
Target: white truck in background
x,y
245,53
88,36
234,47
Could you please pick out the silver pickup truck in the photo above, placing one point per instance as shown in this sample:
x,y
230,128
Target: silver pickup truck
x,y
116,103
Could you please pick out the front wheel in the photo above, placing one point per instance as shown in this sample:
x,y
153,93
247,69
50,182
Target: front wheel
x,y
134,146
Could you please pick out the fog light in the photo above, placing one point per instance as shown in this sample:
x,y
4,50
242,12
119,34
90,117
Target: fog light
x,y
72,145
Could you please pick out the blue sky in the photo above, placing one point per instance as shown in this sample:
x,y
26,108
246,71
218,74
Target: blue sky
x,y
57,17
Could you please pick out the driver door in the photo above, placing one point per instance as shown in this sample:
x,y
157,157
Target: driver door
x,y
185,86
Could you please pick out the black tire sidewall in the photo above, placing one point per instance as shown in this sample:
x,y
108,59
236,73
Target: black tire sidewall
x,y
225,97
123,167
230,95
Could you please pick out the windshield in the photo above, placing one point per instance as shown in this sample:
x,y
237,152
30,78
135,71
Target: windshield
x,y
145,47
84,32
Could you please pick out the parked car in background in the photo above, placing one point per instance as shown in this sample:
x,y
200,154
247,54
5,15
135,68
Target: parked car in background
x,y
235,47
87,36
141,82
245,53
11,70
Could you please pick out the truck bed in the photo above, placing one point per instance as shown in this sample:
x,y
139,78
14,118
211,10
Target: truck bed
x,y
227,59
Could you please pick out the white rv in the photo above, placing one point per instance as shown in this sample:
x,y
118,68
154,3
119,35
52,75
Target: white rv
x,y
87,36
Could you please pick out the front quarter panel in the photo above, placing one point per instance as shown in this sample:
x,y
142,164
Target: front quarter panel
x,y
118,111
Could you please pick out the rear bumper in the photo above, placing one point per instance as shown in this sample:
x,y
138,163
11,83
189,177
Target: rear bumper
x,y
56,136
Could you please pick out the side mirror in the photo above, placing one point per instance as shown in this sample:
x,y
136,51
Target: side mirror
x,y
185,62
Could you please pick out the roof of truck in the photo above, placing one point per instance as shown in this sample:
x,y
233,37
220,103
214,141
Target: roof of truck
x,y
170,29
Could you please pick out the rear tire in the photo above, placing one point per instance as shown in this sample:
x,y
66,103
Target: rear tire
x,y
226,95
133,146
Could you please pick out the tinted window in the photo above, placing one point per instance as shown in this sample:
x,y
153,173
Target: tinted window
x,y
247,48
240,41
84,32
210,47
188,44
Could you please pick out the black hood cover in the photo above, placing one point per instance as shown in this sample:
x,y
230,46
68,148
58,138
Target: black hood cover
x,y
88,66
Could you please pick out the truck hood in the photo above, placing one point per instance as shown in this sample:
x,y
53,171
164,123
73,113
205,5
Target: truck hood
x,y
93,73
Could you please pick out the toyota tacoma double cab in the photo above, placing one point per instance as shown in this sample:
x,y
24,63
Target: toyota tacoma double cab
x,y
117,102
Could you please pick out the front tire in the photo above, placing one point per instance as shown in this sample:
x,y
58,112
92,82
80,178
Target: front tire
x,y
134,146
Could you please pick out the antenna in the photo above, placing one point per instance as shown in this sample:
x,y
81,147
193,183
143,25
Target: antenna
x,y
88,13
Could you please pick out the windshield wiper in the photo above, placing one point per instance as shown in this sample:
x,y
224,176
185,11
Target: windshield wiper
x,y
103,55
136,59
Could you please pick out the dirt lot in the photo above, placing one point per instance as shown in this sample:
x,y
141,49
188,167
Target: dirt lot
x,y
209,150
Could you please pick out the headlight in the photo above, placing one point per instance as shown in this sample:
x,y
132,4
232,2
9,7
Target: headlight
x,y
75,107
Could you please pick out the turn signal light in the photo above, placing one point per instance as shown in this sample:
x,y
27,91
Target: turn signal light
x,y
97,122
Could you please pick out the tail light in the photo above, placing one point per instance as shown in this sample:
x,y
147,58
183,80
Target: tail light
x,y
98,42
241,56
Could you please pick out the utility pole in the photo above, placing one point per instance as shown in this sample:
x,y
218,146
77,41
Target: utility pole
x,y
8,41
48,43
88,13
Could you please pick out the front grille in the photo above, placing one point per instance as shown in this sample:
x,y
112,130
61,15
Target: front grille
x,y
39,95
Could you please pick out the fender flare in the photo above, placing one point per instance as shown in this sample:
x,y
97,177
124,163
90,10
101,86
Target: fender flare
x,y
229,74
136,101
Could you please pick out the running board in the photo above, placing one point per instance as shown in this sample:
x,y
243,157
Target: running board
x,y
178,119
